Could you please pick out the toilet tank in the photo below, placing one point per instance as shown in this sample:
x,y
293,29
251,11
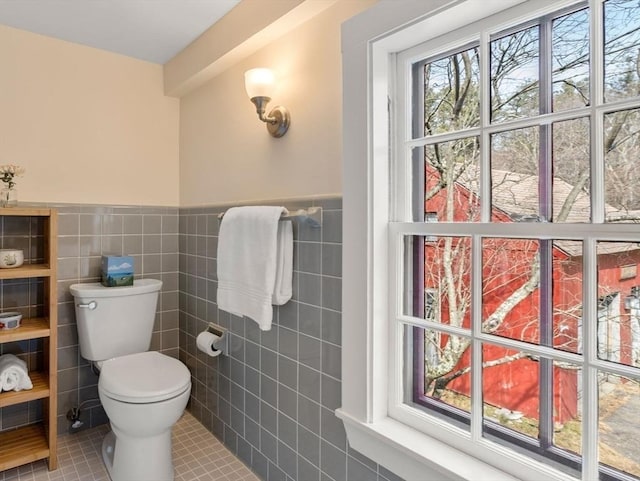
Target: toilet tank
x,y
115,321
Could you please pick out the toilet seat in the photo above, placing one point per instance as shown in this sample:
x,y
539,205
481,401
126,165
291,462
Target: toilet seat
x,y
144,377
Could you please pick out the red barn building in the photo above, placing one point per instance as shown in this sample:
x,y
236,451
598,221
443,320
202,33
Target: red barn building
x,y
512,291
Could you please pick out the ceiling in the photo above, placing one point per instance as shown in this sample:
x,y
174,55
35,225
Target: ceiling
x,y
151,30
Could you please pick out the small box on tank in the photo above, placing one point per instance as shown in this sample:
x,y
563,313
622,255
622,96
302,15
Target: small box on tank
x,y
117,271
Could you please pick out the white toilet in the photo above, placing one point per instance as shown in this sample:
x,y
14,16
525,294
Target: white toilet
x,y
143,392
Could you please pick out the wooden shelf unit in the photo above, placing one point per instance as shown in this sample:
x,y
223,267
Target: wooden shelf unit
x,y
35,441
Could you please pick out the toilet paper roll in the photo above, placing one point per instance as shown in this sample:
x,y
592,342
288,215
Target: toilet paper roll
x,y
205,341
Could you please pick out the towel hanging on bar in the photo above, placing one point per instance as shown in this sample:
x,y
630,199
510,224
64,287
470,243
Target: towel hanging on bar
x,y
255,262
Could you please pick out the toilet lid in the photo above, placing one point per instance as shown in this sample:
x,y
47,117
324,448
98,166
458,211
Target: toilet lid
x,y
144,377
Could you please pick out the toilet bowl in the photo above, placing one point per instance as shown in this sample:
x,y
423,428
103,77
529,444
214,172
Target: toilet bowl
x,y
143,394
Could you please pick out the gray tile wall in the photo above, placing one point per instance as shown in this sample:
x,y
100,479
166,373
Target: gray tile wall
x,y
86,233
150,235
272,400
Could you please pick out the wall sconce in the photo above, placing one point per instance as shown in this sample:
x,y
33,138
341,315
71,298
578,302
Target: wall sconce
x,y
259,83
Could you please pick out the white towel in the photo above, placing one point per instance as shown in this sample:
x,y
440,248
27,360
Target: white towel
x,y
255,262
14,375
282,289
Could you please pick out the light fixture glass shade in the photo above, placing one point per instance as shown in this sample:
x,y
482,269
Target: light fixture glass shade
x,y
259,82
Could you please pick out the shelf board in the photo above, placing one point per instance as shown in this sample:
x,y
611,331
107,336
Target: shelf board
x,y
40,390
25,212
30,328
22,446
26,271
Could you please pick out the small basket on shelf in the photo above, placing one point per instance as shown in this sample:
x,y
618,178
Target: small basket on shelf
x,y
9,320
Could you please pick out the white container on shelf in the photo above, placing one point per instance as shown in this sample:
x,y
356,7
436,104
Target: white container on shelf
x,y
9,320
11,258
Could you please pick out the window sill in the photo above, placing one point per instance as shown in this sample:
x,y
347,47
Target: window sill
x,y
413,455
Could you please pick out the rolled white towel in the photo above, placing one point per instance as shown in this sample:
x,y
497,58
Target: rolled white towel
x,y
14,375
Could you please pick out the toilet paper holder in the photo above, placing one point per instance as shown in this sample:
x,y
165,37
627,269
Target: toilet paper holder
x,y
221,344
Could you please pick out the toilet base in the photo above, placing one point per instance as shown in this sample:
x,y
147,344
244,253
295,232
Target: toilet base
x,y
108,446
127,459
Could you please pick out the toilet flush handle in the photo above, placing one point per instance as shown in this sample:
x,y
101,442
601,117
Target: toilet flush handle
x,y
89,305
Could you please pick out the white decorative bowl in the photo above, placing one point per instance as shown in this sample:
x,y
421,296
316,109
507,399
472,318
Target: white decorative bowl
x,y
9,320
11,258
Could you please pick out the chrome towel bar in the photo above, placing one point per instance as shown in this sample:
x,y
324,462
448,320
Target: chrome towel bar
x,y
312,215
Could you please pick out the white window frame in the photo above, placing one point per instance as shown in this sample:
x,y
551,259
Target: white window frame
x,y
377,425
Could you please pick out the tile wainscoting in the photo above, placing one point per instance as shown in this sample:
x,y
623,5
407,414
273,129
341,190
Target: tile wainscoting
x,y
85,233
272,400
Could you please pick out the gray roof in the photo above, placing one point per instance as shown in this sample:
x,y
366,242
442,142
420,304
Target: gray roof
x,y
517,195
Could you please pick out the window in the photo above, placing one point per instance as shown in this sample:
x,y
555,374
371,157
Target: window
x,y
520,134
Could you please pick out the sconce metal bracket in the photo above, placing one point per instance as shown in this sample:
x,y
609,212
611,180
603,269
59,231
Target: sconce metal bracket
x,y
278,122
278,119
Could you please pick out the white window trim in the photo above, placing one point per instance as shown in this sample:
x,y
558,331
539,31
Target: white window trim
x,y
369,40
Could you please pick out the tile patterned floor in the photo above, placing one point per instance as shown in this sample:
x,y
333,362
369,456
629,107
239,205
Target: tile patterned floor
x,y
197,456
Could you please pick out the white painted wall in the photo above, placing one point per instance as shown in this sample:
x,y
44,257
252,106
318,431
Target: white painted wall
x,y
88,125
226,154
95,127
